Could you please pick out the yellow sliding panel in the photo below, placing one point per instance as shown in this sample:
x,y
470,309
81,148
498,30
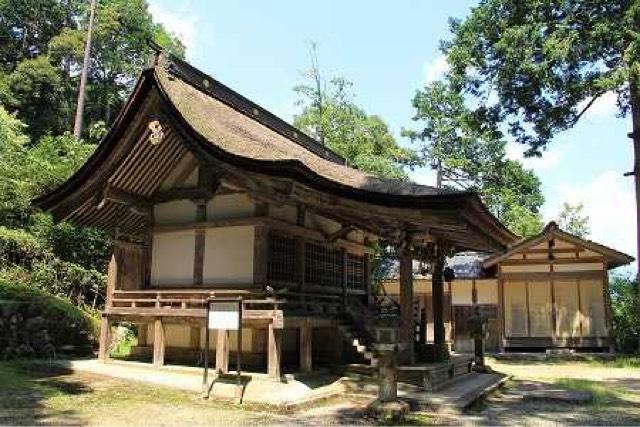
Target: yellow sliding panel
x,y
539,308
567,313
592,308
515,308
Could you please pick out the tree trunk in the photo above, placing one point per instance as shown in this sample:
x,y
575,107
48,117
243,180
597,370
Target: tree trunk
x,y
77,126
635,135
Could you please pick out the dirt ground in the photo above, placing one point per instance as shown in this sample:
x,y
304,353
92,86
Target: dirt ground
x,y
36,394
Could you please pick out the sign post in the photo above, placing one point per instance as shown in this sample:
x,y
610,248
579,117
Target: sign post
x,y
223,314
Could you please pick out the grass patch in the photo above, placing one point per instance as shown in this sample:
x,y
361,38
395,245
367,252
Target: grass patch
x,y
603,394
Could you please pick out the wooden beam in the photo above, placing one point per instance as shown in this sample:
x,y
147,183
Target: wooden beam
x,y
222,352
535,261
342,233
158,342
138,204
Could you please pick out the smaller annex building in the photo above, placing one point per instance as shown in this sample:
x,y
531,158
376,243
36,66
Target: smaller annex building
x,y
546,291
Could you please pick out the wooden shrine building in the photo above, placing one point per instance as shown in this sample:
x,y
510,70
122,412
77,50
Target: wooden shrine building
x,y
548,291
208,194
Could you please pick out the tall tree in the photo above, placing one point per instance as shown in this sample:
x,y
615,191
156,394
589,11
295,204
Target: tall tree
x,y
540,65
329,111
573,220
469,152
44,48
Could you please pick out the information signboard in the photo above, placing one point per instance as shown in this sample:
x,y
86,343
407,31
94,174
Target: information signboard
x,y
224,315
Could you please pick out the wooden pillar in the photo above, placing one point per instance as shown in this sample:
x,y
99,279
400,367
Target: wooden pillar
x,y
200,237
158,342
222,352
105,339
440,343
260,255
406,305
112,277
142,334
502,337
344,277
194,337
607,311
367,279
274,348
306,349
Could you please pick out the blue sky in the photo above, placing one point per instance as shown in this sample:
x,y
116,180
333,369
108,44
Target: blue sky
x,y
389,50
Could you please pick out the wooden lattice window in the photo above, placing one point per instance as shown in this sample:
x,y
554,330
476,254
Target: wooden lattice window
x,y
355,272
323,265
282,259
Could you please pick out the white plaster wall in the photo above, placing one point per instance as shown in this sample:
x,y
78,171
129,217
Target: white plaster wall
x,y
228,255
230,206
174,212
172,258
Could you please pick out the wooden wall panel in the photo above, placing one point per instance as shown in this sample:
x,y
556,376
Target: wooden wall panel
x,y
515,313
462,292
567,313
592,308
539,308
487,290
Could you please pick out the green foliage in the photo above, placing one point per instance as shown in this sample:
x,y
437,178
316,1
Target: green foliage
x,y
28,170
471,152
44,49
27,26
543,62
19,247
364,140
36,93
572,220
25,312
84,287
62,259
87,247
625,306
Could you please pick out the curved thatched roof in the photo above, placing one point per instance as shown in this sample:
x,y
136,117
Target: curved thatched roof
x,y
222,123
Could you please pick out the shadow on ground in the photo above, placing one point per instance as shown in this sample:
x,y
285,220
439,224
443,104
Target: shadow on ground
x,y
25,385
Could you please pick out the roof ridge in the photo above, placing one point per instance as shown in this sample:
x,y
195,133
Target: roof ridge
x,y
203,82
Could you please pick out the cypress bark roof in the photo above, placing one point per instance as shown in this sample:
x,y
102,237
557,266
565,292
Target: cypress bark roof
x,y
206,117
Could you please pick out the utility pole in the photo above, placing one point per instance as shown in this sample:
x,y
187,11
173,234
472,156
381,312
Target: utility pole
x,y
77,126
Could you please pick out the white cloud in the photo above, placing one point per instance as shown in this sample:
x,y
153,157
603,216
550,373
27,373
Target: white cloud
x,y
603,108
549,159
435,69
609,202
179,19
